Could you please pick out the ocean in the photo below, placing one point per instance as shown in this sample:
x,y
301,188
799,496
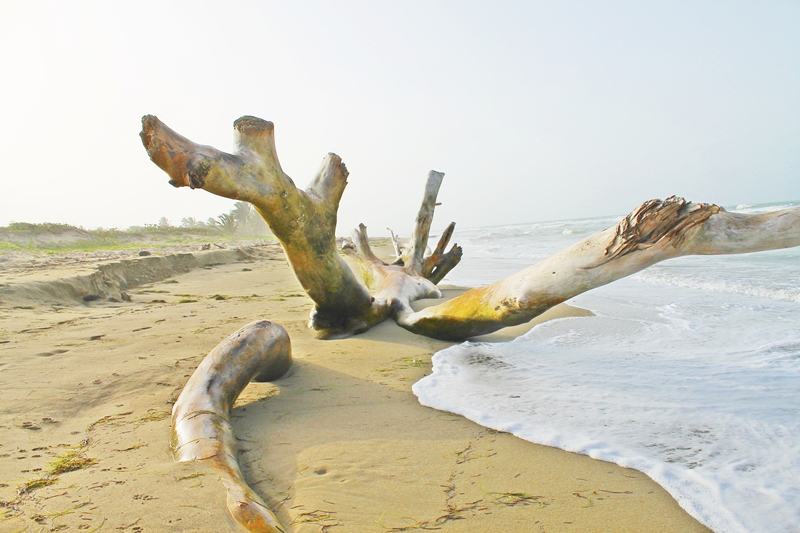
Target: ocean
x,y
689,372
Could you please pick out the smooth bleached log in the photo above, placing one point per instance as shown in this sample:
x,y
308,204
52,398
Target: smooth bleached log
x,y
304,221
655,231
201,423
736,233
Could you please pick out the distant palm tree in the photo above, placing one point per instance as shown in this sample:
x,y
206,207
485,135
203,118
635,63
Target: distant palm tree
x,y
240,213
226,223
163,223
189,222
256,224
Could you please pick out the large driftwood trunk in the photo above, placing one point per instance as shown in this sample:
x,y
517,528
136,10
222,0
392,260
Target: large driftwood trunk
x,y
304,221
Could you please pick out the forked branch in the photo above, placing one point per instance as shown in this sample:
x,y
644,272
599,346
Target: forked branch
x,y
303,221
436,266
414,254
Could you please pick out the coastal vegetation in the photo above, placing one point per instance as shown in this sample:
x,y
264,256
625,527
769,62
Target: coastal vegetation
x,y
240,224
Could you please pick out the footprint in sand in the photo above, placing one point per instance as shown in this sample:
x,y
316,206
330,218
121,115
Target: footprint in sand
x,y
52,353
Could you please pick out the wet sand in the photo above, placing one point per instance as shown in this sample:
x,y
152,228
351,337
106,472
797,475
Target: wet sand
x,y
340,444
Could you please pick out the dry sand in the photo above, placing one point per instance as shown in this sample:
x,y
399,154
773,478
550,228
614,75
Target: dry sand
x,y
340,444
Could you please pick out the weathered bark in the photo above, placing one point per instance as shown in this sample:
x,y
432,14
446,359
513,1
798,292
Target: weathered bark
x,y
303,221
655,231
201,423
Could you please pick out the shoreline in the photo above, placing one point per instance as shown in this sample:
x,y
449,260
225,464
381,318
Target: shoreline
x,y
340,443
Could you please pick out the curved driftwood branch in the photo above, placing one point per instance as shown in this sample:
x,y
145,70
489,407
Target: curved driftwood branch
x,y
303,221
655,231
201,424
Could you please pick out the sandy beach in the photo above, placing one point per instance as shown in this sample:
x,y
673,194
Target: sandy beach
x,y
339,444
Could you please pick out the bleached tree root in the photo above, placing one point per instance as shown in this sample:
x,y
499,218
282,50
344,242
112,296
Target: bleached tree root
x,y
655,231
413,276
201,425
387,282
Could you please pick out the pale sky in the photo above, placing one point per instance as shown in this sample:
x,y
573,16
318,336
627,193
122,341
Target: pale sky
x,y
534,110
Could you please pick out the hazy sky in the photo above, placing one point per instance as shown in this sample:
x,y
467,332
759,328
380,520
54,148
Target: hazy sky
x,y
534,110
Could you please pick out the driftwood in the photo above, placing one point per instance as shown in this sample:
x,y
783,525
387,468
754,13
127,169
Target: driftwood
x,y
304,222
655,231
201,424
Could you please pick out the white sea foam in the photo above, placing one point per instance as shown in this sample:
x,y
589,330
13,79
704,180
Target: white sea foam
x,y
689,372
789,294
763,208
